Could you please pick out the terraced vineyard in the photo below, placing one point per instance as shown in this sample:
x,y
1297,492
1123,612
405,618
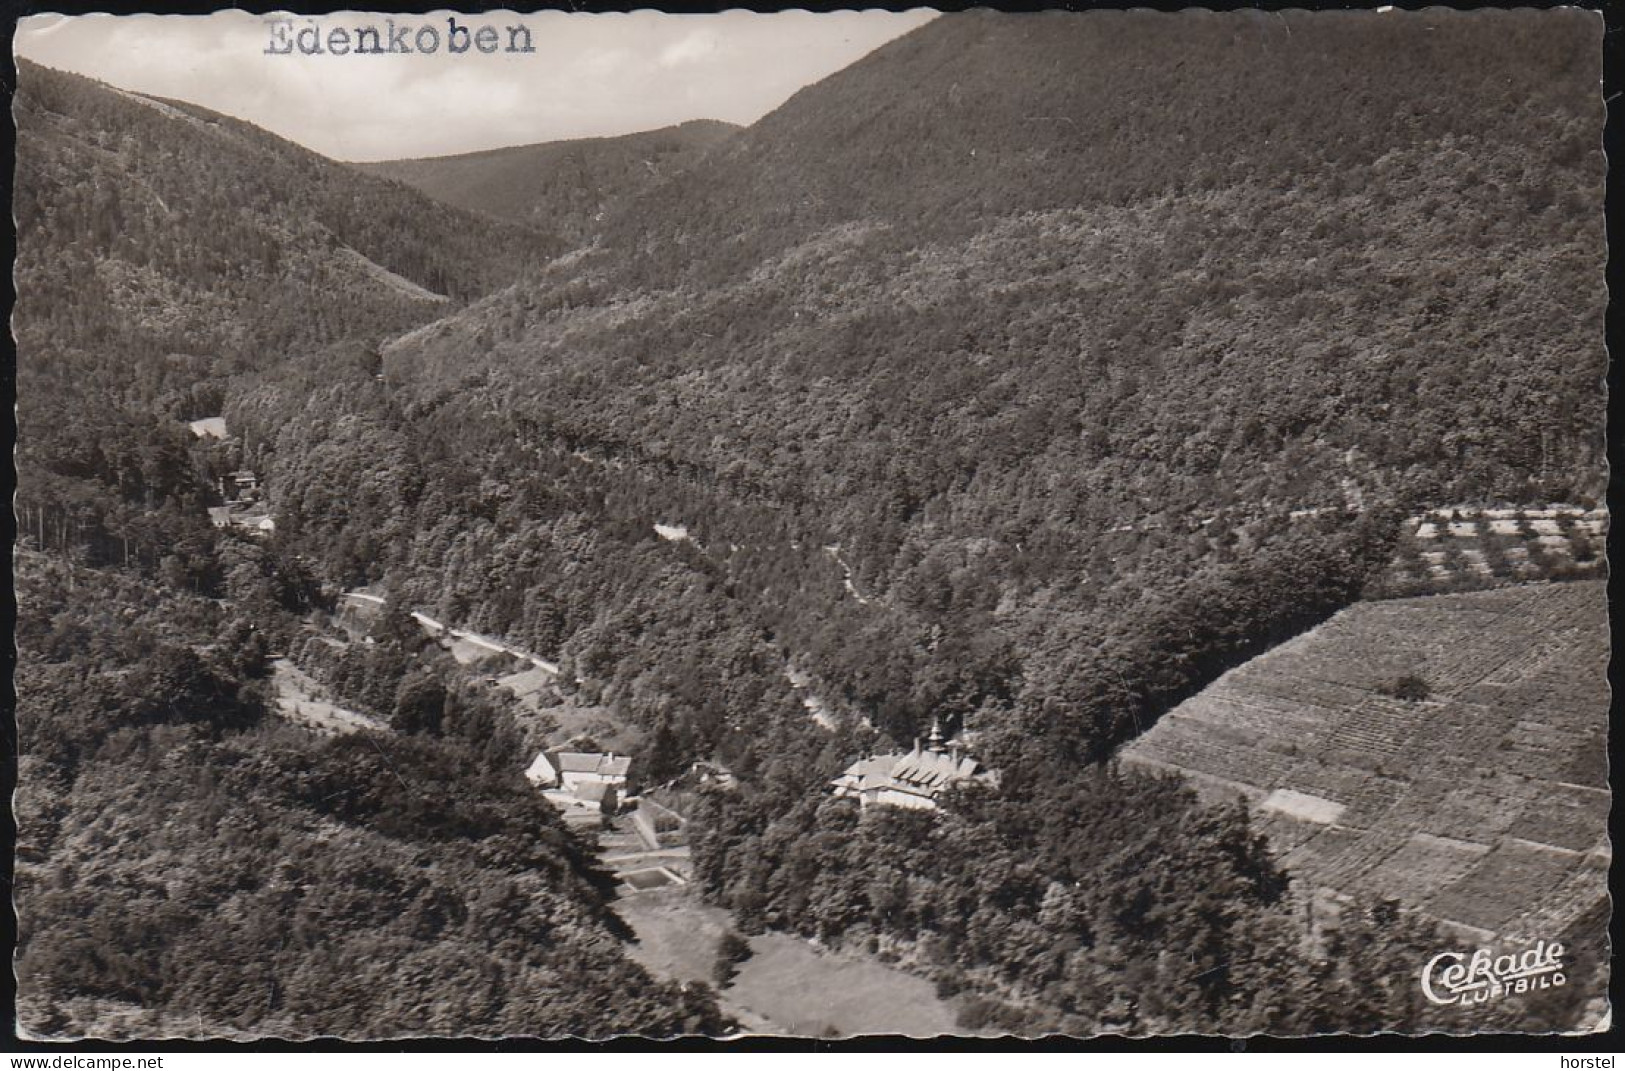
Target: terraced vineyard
x,y
1467,548
1481,800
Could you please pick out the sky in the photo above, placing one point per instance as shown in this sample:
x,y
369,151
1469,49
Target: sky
x,y
591,75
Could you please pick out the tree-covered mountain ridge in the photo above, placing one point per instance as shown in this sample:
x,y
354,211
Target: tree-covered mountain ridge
x,y
1125,316
189,864
1039,317
165,166
562,187
164,249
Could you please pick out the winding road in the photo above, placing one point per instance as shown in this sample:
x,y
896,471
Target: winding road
x,y
477,640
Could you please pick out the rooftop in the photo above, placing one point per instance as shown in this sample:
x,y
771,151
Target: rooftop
x,y
933,769
923,771
610,765
541,769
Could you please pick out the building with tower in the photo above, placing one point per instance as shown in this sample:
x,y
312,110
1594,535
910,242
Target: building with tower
x,y
914,779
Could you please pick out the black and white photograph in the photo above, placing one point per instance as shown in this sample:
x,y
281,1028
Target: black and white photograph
x,y
912,524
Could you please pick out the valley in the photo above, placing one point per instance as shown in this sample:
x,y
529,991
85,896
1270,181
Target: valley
x,y
1225,482
785,986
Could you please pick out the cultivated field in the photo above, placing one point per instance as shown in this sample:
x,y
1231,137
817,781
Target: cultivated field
x,y
1467,548
1484,803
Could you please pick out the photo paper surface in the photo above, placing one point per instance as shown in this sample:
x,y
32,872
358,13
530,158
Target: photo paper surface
x,y
570,526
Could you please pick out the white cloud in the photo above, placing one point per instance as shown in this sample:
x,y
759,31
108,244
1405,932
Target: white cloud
x,y
591,75
689,49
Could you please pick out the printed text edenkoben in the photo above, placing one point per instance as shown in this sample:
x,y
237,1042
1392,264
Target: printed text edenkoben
x,y
311,39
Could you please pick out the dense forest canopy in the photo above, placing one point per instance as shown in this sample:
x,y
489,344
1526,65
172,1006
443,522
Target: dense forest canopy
x,y
189,864
1040,342
1096,378
1026,375
166,249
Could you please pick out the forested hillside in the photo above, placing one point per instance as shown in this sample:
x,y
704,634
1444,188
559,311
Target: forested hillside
x,y
1036,349
559,187
163,249
1097,383
1017,376
188,864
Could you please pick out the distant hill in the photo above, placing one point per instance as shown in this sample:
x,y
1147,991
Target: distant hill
x,y
129,179
1480,796
561,187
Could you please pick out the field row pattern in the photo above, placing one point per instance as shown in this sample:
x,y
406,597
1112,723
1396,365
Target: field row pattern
x,y
1478,804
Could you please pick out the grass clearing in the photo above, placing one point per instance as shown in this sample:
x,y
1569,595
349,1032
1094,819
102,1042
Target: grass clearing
x,y
827,994
786,986
298,698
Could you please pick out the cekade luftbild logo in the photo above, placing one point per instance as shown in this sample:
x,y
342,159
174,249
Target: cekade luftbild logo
x,y
1460,978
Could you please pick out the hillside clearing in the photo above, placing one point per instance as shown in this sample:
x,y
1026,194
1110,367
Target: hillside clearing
x,y
398,283
786,986
298,700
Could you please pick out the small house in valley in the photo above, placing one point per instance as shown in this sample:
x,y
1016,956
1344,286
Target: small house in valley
x,y
240,485
244,507
582,784
580,768
254,518
213,427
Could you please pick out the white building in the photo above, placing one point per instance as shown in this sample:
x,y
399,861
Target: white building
x,y
580,768
575,772
913,779
542,773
